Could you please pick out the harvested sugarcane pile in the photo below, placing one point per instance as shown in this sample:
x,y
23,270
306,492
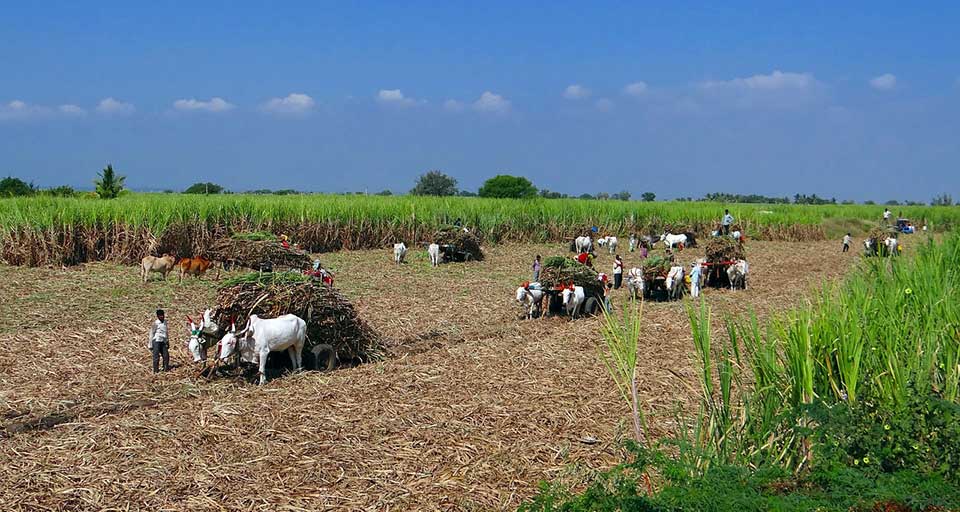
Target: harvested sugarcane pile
x,y
252,250
656,266
560,271
465,244
331,318
879,234
720,249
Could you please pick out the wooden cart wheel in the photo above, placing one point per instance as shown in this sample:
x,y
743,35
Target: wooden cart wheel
x,y
325,355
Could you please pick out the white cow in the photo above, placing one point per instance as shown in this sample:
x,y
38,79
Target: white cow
x,y
196,344
633,243
610,242
672,241
162,264
265,335
434,252
531,298
737,273
674,282
891,244
573,300
399,252
635,283
584,244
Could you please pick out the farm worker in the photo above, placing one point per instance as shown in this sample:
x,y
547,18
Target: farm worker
x,y
607,292
585,258
633,242
643,250
536,269
847,240
617,272
158,342
726,222
284,242
886,215
695,271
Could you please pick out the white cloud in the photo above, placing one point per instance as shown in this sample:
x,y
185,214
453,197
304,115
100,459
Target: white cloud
x,y
18,110
778,80
453,106
635,89
216,104
779,89
490,102
293,104
576,92
394,97
71,110
884,82
604,105
111,106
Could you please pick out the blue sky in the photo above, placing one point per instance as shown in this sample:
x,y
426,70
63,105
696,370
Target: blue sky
x,y
844,99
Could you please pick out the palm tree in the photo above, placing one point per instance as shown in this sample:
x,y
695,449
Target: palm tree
x,y
109,185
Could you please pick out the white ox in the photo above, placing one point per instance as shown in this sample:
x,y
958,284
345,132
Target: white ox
x,y
610,242
672,241
583,244
196,344
635,284
265,335
434,252
399,252
737,273
674,282
531,299
633,243
573,300
162,264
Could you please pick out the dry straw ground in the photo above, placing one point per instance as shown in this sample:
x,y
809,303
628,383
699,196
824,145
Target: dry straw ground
x,y
469,411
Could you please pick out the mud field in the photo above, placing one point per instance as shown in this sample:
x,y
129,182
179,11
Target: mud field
x,y
469,411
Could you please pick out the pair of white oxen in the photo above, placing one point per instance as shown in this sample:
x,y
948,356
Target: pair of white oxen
x,y
255,342
531,298
400,252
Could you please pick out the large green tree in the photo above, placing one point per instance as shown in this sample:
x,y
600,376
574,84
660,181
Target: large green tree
x,y
11,186
110,184
435,183
204,188
504,185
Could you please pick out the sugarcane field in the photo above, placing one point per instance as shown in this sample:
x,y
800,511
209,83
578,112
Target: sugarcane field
x,y
422,381
460,256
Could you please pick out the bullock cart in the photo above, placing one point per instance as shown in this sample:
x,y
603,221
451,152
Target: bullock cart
x,y
458,245
559,273
336,335
721,252
258,253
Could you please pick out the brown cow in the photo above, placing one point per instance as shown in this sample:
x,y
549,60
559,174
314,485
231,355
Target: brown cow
x,y
195,266
162,265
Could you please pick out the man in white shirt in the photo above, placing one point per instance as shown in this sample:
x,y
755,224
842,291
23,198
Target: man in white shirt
x,y
886,216
726,222
158,343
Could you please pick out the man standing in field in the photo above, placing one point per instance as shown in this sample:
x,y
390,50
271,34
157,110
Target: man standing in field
x,y
158,343
617,272
847,240
536,269
726,222
695,273
886,216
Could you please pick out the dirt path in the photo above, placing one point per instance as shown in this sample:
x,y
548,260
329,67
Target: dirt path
x,y
472,409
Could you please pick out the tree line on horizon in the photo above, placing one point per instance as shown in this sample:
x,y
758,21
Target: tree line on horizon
x,y
109,184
